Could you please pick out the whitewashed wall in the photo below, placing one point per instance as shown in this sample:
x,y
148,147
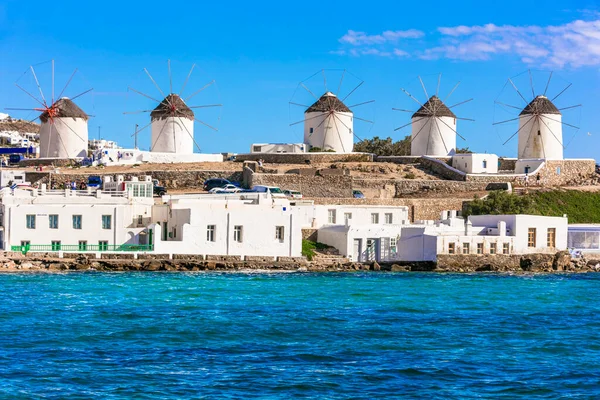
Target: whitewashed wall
x,y
474,163
333,134
434,139
547,144
64,138
170,135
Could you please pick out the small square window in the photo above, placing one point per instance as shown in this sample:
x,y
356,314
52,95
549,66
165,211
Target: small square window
x,y
347,217
466,248
375,218
53,221
389,218
531,237
493,248
106,221
82,245
451,248
331,218
55,245
103,245
506,248
479,248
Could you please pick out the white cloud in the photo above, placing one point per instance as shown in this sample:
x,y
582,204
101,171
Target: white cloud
x,y
574,44
356,38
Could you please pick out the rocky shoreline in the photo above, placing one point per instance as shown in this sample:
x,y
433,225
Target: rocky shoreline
x,y
536,263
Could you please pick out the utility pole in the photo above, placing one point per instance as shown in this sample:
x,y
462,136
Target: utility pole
x,y
135,137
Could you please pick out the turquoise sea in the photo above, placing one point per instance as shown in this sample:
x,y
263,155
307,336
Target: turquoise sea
x,y
279,336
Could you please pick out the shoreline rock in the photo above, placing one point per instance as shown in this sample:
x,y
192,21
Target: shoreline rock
x,y
560,262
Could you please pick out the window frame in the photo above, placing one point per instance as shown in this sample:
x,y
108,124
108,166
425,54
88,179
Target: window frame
x,y
30,221
211,233
493,248
102,245
76,217
238,233
50,218
451,248
505,248
531,237
466,248
331,216
106,218
280,233
82,245
388,218
55,245
375,218
551,237
480,248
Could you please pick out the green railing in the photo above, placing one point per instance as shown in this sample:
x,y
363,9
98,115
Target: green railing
x,y
80,247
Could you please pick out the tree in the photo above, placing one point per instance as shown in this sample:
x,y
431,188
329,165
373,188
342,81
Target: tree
x,y
384,147
499,202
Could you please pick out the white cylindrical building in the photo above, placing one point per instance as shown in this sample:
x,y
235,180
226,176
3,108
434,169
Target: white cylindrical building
x,y
540,130
328,125
172,127
64,131
433,130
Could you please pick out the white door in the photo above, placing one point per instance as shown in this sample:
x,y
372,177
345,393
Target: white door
x,y
358,250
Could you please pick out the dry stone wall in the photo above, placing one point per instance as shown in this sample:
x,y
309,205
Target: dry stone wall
x,y
305,158
335,186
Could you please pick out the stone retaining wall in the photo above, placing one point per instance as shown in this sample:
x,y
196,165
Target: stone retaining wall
x,y
301,158
407,160
309,234
310,186
441,168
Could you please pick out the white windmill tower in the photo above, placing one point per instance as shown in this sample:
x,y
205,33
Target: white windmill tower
x,y
172,120
540,132
434,127
328,122
64,126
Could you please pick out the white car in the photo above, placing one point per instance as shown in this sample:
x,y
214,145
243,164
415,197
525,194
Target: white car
x,y
292,194
225,189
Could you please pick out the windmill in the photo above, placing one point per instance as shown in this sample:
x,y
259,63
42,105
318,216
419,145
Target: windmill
x,y
64,126
540,131
172,120
433,124
328,122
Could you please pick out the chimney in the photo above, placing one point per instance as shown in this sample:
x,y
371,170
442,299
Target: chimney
x,y
501,228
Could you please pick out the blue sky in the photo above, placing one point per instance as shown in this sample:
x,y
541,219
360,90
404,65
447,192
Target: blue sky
x,y
258,53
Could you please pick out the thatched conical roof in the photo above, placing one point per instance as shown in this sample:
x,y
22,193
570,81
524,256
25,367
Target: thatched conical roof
x,y
64,108
172,106
434,106
540,105
328,102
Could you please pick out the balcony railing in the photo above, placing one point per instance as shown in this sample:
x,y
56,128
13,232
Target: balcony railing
x,y
82,248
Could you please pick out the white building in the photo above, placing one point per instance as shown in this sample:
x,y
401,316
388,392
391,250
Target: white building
x,y
433,130
278,148
328,125
172,127
540,131
99,144
69,220
476,163
64,131
111,157
249,224
584,238
425,240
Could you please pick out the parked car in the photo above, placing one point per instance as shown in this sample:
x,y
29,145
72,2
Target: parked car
x,y
292,194
218,183
158,190
274,190
94,181
357,194
229,188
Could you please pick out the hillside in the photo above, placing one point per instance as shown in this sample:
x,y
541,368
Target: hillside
x,y
580,206
19,125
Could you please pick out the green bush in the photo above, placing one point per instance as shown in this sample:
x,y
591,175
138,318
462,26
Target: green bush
x,y
308,248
